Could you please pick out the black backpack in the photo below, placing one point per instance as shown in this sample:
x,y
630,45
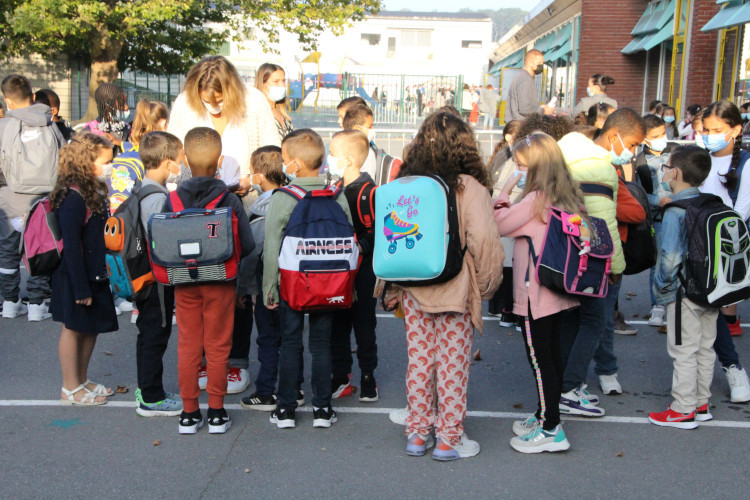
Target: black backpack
x,y
640,247
388,167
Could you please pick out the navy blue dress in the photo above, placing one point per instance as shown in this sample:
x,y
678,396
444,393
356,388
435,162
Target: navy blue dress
x,y
82,272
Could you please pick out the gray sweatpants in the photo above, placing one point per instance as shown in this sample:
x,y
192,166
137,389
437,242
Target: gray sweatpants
x,y
10,275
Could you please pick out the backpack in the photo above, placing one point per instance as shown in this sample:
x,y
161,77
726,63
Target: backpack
x,y
640,247
561,265
319,253
30,156
194,245
388,167
417,240
41,239
127,174
128,264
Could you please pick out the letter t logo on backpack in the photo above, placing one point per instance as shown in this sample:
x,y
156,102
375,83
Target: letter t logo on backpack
x,y
212,229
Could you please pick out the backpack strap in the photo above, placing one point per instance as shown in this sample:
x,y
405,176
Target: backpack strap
x,y
365,203
734,193
597,189
215,202
678,317
292,190
176,202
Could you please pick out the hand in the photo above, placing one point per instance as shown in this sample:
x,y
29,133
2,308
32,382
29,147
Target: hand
x,y
359,246
511,183
272,307
241,301
548,110
85,302
613,279
664,201
391,304
245,185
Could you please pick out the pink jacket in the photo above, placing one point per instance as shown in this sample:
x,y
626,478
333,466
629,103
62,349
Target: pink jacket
x,y
518,221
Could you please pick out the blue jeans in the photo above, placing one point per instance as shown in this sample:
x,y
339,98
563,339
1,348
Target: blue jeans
x,y
652,271
269,340
319,342
580,335
724,345
605,361
489,120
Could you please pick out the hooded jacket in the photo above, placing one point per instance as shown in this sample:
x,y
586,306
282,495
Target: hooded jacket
x,y
251,268
589,163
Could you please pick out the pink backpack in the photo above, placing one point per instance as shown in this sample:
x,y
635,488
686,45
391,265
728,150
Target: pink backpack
x,y
41,240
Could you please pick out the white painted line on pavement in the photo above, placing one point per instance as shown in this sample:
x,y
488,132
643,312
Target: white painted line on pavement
x,y
495,318
19,403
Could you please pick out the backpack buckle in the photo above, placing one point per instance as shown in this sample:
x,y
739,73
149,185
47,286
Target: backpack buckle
x,y
583,263
192,267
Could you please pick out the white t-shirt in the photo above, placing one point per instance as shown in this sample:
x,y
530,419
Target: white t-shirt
x,y
371,164
713,185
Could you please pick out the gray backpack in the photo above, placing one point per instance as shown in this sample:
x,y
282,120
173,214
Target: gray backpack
x,y
30,156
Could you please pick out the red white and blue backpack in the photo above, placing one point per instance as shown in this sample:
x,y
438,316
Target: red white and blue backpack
x,y
319,253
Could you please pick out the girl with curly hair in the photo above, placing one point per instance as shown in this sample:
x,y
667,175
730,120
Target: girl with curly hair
x,y
81,299
440,319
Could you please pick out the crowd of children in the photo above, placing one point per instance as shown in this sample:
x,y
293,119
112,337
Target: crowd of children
x,y
585,170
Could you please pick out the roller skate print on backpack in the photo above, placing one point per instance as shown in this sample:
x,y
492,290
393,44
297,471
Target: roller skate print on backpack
x,y
395,229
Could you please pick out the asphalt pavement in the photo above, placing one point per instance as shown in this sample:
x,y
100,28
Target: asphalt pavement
x,y
50,451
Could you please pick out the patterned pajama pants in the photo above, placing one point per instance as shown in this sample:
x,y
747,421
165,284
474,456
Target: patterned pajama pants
x,y
438,373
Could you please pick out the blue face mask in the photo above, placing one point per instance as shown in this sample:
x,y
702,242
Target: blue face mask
x,y
746,116
669,119
121,115
589,92
623,157
522,181
286,168
715,142
658,145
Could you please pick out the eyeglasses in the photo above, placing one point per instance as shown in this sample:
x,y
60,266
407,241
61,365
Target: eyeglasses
x,y
666,167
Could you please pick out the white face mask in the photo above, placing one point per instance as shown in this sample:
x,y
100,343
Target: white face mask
x,y
369,132
214,110
336,166
276,93
106,172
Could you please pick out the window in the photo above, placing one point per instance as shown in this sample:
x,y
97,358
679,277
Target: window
x,y
391,46
370,39
471,44
416,38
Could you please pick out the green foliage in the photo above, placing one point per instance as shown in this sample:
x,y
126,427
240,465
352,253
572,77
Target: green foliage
x,y
160,36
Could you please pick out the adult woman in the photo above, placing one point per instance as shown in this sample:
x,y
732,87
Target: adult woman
x,y
271,81
215,96
596,90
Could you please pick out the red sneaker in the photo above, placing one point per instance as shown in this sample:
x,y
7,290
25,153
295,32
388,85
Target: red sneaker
x,y
735,330
671,418
342,391
202,377
703,413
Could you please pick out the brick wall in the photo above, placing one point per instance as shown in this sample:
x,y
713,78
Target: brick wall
x,y
51,73
702,63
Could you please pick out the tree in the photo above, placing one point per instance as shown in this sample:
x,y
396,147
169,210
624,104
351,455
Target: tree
x,y
160,36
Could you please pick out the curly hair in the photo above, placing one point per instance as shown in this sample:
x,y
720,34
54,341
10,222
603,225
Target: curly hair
x,y
445,146
267,160
555,126
77,169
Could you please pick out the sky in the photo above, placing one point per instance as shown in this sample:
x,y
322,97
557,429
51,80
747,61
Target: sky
x,y
454,5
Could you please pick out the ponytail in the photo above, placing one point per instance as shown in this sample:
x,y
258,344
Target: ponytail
x,y
147,116
731,179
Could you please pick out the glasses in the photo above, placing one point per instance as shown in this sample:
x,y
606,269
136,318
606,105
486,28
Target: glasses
x,y
666,167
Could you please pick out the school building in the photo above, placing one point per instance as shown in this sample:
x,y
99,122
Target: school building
x,y
679,51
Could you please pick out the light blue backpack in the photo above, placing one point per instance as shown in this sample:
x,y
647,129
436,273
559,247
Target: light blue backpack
x,y
416,232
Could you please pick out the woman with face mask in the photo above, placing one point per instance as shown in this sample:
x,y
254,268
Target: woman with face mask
x,y
596,90
271,81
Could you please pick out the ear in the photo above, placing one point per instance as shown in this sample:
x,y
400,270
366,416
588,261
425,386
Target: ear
x,y
736,131
218,164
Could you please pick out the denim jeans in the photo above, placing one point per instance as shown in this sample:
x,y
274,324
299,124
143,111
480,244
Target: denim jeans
x,y
605,361
580,335
724,345
243,327
652,271
152,341
319,342
269,340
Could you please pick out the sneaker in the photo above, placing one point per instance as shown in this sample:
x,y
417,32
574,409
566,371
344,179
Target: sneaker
x,y
610,384
573,403
38,312
237,380
300,397
523,427
735,329
167,407
539,440
519,324
656,318
417,445
259,402
590,397
368,389
703,413
190,422
122,305
671,418
202,378
218,421
134,316
324,417
464,449
739,385
341,389
13,309
284,419
621,326
398,417
508,319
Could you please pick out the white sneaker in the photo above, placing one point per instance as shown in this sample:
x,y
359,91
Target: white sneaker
x,y
123,305
657,316
398,417
237,380
609,384
523,427
202,378
134,316
739,384
13,309
464,449
38,312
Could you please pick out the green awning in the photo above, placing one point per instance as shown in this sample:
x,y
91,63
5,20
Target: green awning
x,y
560,53
512,61
733,13
666,33
655,26
640,27
544,42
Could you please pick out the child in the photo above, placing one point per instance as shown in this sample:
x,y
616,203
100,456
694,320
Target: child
x,y
547,183
161,154
51,99
693,360
348,153
648,163
669,119
440,319
685,127
361,118
269,175
302,152
112,109
346,104
205,312
81,299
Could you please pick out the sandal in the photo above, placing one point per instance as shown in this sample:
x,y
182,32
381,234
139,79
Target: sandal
x,y
88,400
98,390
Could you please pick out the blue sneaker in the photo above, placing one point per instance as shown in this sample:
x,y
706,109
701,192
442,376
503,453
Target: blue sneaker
x,y
583,392
464,449
168,407
572,403
417,445
540,440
